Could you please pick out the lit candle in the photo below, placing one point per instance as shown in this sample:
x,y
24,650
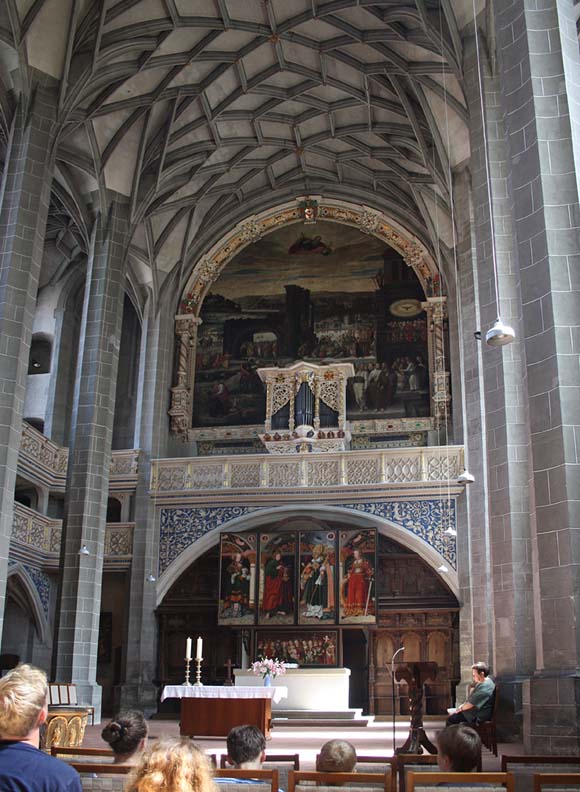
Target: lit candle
x,y
199,647
188,649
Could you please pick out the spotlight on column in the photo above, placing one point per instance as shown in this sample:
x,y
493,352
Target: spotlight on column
x,y
442,568
151,579
84,550
465,477
500,334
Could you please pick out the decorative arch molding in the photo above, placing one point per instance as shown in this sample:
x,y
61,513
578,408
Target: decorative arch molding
x,y
188,533
37,595
368,220
365,218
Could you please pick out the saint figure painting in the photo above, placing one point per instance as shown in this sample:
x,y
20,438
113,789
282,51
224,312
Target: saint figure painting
x,y
357,577
237,579
277,566
317,577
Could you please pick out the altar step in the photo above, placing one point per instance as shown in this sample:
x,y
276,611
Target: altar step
x,y
351,719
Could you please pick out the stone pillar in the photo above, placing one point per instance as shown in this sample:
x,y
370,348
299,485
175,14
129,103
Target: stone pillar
x,y
138,689
473,552
543,191
90,457
511,515
24,202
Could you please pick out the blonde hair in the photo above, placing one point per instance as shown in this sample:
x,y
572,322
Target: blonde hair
x,y
23,694
174,766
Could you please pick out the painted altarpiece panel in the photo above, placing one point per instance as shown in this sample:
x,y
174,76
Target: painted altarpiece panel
x,y
357,584
317,577
277,578
307,648
237,604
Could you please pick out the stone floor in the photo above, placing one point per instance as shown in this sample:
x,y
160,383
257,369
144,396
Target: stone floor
x,y
375,740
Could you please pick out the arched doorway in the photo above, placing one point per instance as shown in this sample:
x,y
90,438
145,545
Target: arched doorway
x,y
414,605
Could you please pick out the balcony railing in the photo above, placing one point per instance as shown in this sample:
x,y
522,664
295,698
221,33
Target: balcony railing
x,y
407,468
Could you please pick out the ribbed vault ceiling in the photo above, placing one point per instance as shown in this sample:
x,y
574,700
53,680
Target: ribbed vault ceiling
x,y
201,111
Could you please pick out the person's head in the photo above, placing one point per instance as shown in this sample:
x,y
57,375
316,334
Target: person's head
x,y
336,756
172,766
356,554
126,733
23,702
246,747
459,749
479,671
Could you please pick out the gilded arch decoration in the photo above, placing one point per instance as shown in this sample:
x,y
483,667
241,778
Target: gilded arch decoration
x,y
363,218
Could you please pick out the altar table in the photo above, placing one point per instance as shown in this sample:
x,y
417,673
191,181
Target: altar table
x,y
211,711
319,689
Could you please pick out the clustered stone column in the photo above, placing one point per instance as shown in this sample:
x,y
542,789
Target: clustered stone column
x,y
524,540
24,202
90,456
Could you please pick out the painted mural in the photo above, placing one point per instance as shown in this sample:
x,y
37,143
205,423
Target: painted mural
x,y
321,293
357,577
237,578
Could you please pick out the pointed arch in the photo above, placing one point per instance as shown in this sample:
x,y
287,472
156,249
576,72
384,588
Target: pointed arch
x,y
19,577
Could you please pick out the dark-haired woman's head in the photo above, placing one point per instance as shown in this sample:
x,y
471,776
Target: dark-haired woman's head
x,y
126,734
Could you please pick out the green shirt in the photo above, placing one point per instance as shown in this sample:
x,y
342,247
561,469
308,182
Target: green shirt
x,y
482,699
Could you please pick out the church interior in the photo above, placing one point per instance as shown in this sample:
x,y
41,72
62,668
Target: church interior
x,y
290,349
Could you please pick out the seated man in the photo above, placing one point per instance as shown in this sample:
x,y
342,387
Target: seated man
x,y
336,756
23,710
479,705
458,749
246,751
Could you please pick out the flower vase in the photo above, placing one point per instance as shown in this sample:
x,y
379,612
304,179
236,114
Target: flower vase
x,y
267,680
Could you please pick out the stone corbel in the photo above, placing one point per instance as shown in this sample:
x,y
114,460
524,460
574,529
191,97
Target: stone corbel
x,y
181,407
436,310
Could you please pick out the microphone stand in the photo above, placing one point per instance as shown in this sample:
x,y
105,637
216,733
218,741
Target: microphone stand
x,y
401,649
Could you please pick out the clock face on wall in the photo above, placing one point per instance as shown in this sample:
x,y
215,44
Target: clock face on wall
x,y
407,308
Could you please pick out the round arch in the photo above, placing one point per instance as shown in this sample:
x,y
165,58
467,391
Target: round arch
x,y
353,519
18,574
368,220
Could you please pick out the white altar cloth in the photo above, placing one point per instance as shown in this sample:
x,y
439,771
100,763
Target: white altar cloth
x,y
216,691
321,689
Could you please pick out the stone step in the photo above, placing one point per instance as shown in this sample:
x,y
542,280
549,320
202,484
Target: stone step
x,y
352,718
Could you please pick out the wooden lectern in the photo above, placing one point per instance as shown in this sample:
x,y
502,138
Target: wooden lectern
x,y
415,675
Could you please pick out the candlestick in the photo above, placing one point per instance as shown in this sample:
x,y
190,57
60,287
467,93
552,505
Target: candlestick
x,y
187,683
188,649
198,682
199,647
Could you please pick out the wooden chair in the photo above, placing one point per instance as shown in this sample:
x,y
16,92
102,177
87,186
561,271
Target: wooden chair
x,y
302,780
556,781
418,763
468,782
101,777
65,695
279,762
267,780
56,750
524,768
486,729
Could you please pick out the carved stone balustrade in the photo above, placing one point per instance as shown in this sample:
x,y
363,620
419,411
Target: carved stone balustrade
x,y
42,461
35,531
423,471
33,534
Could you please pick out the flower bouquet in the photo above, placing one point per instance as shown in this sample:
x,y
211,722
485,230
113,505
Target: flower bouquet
x,y
267,668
